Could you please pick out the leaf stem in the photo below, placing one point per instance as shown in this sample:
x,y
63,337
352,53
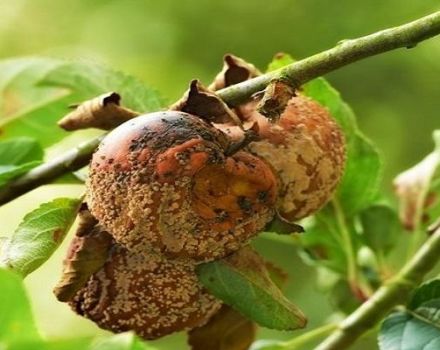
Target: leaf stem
x,y
394,292
352,274
308,337
418,233
415,239
345,52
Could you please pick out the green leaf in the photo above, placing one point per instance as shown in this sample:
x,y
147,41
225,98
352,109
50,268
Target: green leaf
x,y
279,61
342,297
52,344
16,321
243,282
418,326
20,150
39,235
92,79
123,341
9,172
381,227
17,156
416,330
427,291
18,77
322,241
40,121
63,83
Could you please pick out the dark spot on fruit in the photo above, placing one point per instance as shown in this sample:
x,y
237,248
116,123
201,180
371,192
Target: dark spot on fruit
x,y
244,203
58,235
262,196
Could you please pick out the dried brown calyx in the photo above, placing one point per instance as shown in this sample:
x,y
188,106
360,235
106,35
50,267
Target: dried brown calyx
x,y
304,146
164,181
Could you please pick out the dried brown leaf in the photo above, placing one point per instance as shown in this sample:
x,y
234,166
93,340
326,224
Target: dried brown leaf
x,y
102,112
86,221
235,70
226,330
205,104
86,255
412,188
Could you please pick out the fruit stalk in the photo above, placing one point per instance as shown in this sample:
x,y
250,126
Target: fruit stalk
x,y
345,52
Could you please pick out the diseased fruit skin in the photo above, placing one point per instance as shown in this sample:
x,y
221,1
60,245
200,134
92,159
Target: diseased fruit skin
x,y
144,293
162,181
306,149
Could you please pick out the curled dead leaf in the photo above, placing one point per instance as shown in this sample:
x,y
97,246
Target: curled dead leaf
x,y
102,112
86,221
87,254
412,188
204,103
235,70
226,330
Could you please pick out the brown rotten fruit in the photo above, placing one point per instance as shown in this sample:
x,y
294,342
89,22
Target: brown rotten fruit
x,y
165,181
144,293
304,146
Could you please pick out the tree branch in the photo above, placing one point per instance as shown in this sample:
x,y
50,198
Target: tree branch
x,y
394,292
71,160
298,73
347,51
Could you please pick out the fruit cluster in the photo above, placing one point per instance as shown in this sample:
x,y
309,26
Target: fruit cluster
x,y
170,190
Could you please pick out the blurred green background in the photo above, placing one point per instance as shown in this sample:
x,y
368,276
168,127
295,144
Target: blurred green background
x,y
396,96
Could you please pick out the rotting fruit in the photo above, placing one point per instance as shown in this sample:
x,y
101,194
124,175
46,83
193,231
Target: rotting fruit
x,y
164,181
144,293
305,147
169,190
